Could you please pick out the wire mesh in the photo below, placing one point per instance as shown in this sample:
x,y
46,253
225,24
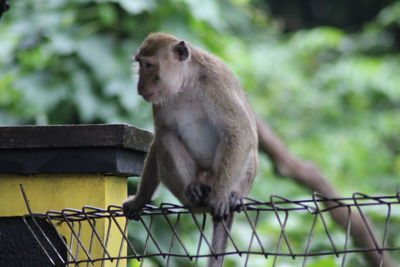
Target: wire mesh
x,y
170,234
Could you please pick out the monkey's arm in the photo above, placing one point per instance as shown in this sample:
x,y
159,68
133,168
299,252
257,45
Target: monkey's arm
x,y
147,185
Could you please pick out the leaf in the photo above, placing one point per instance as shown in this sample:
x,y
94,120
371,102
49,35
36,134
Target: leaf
x,y
63,44
97,53
207,10
84,98
329,262
137,6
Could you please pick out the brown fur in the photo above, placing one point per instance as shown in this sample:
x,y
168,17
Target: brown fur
x,y
205,146
154,42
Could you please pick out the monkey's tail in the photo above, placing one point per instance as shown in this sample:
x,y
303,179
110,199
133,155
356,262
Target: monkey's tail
x,y
220,240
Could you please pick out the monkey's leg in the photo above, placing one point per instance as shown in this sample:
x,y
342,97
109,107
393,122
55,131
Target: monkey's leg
x,y
240,189
243,186
220,240
178,171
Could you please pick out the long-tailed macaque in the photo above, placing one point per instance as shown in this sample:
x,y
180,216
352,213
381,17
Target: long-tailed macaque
x,y
205,145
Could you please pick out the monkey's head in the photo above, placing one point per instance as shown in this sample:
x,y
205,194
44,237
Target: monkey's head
x,y
163,67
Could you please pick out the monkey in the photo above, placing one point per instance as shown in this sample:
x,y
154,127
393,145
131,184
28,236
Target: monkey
x,y
205,146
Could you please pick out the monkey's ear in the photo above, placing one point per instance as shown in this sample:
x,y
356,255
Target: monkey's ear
x,y
181,51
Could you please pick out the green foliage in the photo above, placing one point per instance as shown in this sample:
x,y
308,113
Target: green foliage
x,y
329,262
333,96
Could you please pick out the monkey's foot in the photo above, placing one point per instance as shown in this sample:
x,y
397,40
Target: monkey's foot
x,y
235,202
197,193
219,209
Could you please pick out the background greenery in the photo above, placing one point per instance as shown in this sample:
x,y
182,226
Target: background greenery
x,y
325,75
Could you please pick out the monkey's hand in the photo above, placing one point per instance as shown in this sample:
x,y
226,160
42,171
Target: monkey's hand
x,y
197,194
132,206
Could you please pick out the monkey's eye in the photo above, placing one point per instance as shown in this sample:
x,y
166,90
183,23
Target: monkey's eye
x,y
147,65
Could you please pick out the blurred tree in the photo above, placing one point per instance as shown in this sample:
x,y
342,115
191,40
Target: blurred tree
x,y
312,13
4,6
323,73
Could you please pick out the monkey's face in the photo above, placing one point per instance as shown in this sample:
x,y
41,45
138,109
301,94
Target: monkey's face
x,y
163,74
149,78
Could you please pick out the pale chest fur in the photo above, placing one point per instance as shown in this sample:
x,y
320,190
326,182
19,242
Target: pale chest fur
x,y
190,121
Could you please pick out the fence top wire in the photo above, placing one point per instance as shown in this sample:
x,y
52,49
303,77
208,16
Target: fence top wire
x,y
276,203
174,218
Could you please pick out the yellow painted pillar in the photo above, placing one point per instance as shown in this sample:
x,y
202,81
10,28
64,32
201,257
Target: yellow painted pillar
x,y
70,167
58,191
